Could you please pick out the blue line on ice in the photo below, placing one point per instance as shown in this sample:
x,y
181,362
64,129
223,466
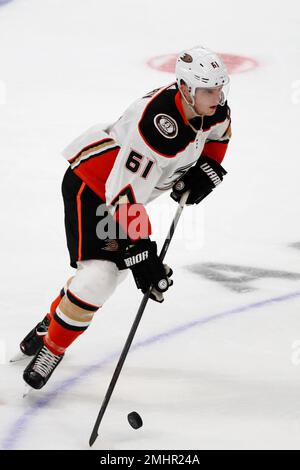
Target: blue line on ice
x,y
19,426
3,2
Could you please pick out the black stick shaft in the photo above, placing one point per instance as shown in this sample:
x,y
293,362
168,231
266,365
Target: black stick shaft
x,y
135,325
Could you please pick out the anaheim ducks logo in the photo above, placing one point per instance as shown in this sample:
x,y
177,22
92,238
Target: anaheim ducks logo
x,y
111,245
186,58
166,125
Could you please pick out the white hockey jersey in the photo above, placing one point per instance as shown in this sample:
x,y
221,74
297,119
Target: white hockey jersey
x,y
140,156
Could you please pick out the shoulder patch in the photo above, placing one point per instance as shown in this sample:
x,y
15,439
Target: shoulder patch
x,y
166,125
162,127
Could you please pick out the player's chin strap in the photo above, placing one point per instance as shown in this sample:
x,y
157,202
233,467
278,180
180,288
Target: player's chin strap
x,y
190,105
192,108
135,324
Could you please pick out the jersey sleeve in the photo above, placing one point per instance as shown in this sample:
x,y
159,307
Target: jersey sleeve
x,y
218,139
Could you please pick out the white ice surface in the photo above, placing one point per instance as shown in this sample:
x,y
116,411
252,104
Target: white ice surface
x,y
229,381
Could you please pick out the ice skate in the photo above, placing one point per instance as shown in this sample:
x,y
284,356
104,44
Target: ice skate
x,y
30,345
40,369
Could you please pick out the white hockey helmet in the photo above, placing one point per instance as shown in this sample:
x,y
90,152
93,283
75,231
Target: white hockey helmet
x,y
200,67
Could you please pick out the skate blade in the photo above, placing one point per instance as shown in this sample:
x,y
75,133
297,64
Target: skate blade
x,y
18,357
27,390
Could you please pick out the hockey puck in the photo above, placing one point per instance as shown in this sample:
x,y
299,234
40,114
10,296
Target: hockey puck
x,y
135,420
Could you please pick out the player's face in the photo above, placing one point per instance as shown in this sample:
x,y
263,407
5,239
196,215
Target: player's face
x,y
207,100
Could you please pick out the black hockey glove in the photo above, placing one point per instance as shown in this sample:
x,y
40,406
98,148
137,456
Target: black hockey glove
x,y
200,180
147,269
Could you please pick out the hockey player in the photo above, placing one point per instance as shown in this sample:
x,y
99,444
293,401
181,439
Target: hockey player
x,y
174,138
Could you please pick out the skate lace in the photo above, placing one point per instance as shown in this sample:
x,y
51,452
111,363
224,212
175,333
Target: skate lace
x,y
45,362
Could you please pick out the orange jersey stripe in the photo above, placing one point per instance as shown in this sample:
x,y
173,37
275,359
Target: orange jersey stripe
x,y
215,150
79,215
95,171
91,147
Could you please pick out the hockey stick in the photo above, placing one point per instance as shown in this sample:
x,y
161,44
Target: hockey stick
x,y
135,324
